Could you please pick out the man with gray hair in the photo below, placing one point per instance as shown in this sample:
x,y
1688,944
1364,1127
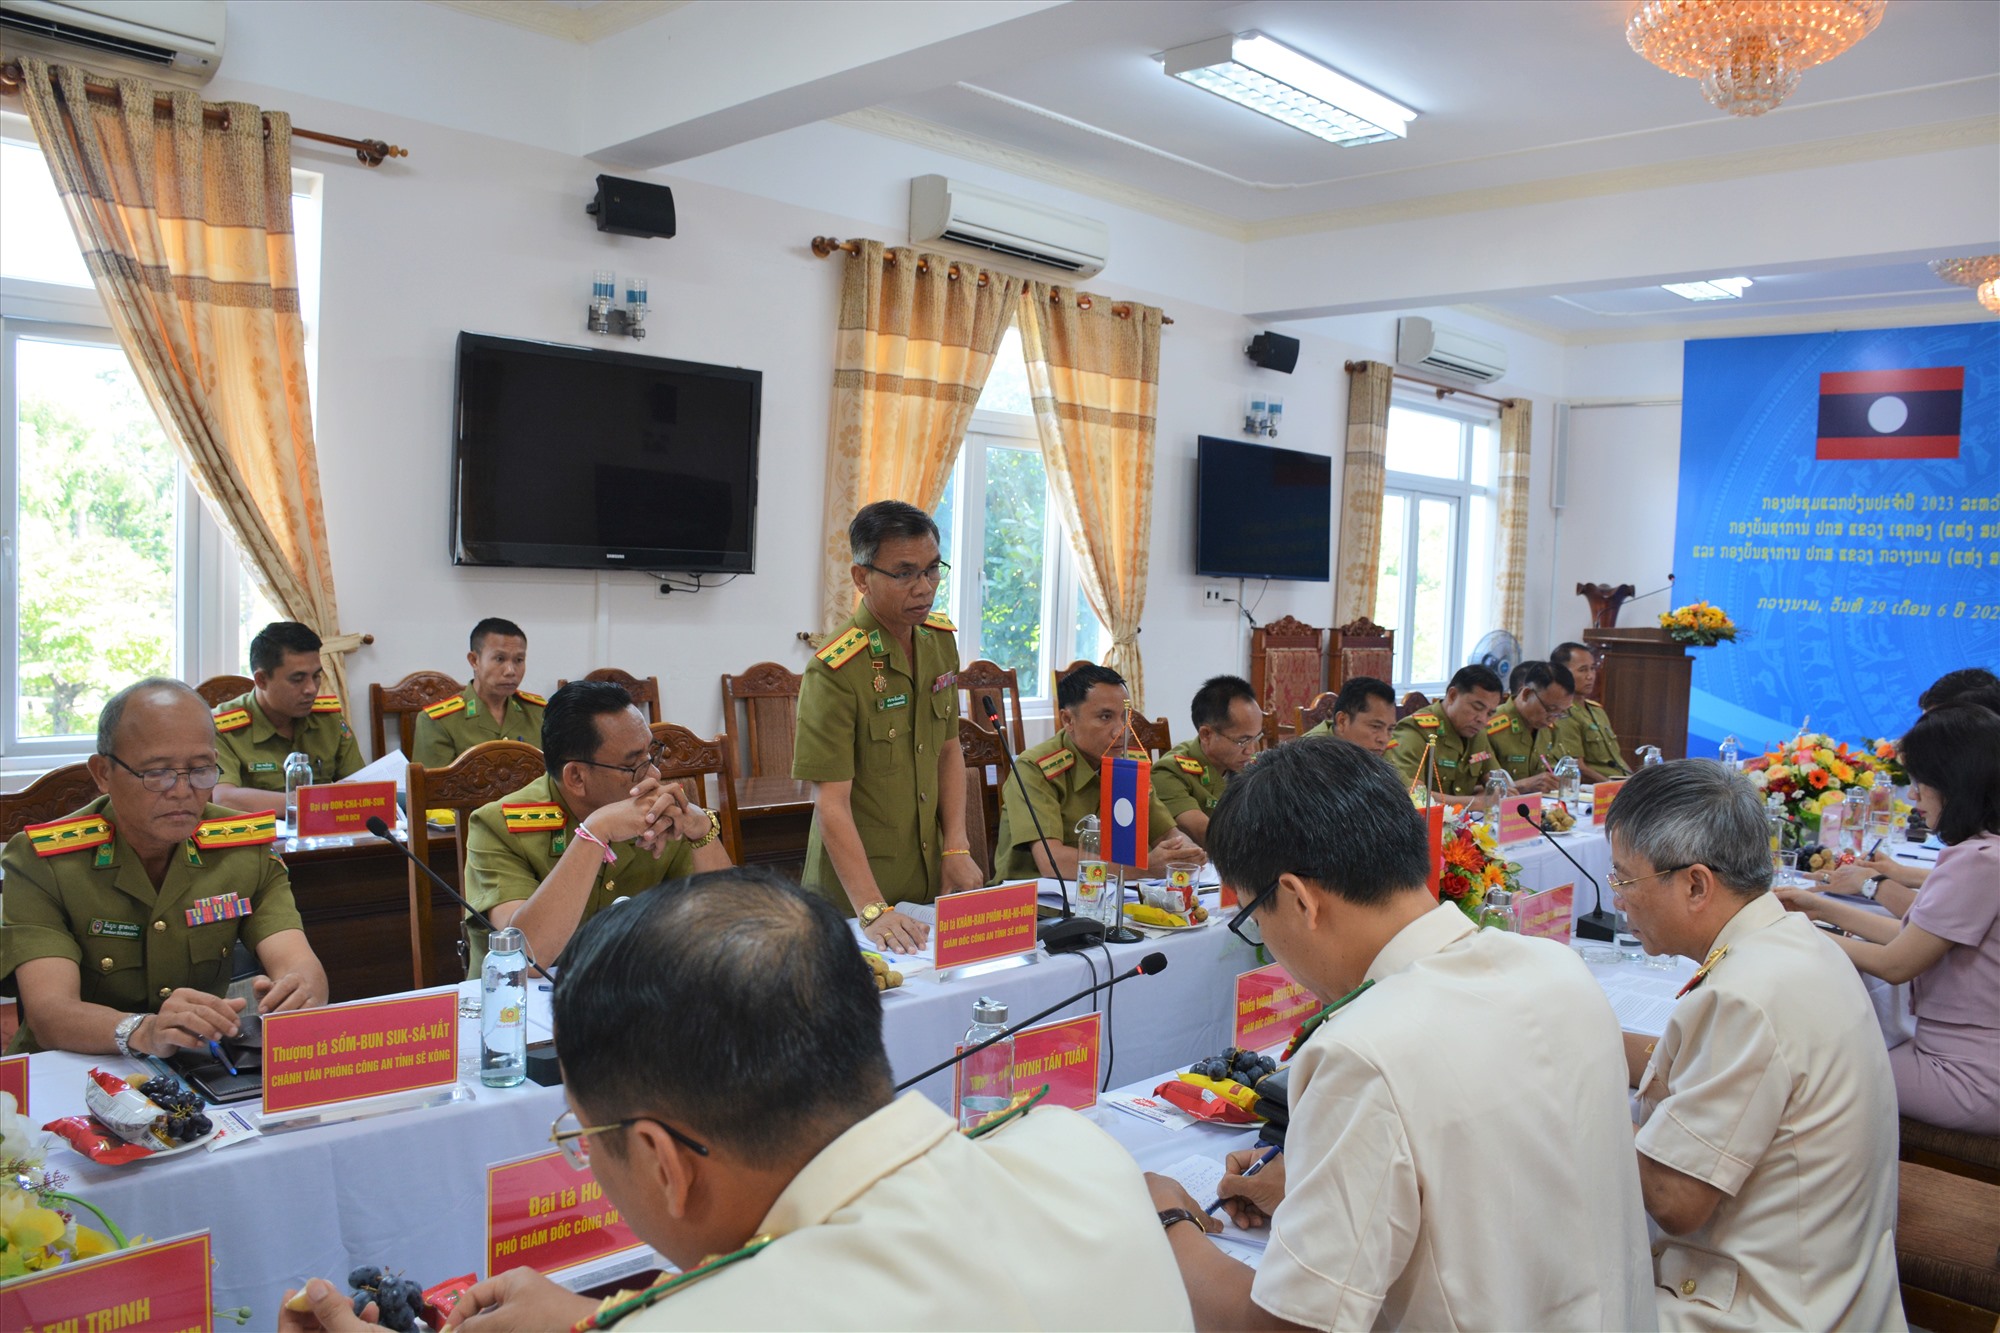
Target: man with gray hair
x,y
1767,1142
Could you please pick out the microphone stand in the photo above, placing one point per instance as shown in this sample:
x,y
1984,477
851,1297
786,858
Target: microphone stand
x,y
1072,932
380,829
1596,924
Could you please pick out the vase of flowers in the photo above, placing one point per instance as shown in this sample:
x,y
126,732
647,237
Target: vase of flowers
x,y
38,1226
1473,866
1813,771
1699,625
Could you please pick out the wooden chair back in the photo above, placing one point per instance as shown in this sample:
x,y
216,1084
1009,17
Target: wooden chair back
x,y
985,759
484,773
1314,713
218,690
1154,736
977,845
56,793
1359,648
979,677
1412,701
403,701
1287,671
709,767
768,695
645,693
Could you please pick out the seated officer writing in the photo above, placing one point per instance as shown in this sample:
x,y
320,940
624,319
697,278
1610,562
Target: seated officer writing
x,y
1228,732
1522,732
600,826
1458,726
494,707
119,922
1061,776
285,714
1364,714
1585,733
727,1086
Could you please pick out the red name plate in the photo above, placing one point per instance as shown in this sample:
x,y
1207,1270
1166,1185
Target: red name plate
x,y
1515,826
1434,830
542,1213
1269,1004
1601,797
1548,915
986,923
1063,1055
344,807
163,1285
14,1079
344,1052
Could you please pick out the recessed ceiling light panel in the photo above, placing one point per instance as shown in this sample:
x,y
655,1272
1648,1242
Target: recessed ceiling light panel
x,y
1291,87
1714,289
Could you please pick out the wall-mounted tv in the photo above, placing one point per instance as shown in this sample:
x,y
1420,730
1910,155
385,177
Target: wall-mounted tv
x,y
576,458
1262,513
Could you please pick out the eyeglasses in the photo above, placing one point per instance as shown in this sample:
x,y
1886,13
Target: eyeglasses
x,y
1641,879
631,771
1245,742
201,778
1244,923
934,572
575,1143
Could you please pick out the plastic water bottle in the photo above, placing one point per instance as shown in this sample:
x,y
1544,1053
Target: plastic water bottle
x,y
298,773
1731,755
1774,819
1569,782
503,1012
1649,755
985,1080
1832,827
1854,820
1096,891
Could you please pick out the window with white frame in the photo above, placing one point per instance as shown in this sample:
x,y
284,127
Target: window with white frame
x,y
111,568
1013,589
1439,517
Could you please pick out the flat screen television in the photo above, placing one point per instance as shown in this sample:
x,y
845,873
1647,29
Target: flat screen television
x,y
1262,513
574,458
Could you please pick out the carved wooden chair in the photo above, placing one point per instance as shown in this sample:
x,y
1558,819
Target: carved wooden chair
x,y
979,677
1287,672
986,769
645,693
1314,713
1154,736
1412,701
403,701
56,793
1359,648
769,697
706,769
218,690
484,773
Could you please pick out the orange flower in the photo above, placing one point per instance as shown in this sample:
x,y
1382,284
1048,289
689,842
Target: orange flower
x,y
1817,778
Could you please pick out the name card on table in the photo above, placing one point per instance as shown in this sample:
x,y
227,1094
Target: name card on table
x,y
1546,916
986,923
14,1079
1514,826
162,1285
1269,1006
370,1048
1062,1054
542,1213
1601,797
342,808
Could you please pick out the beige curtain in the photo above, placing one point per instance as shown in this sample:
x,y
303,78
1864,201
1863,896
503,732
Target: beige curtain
x,y
1094,373
1516,419
1360,566
186,224
916,340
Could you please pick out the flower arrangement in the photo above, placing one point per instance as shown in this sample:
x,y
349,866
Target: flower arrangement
x,y
37,1232
1813,771
1473,865
1888,757
1699,624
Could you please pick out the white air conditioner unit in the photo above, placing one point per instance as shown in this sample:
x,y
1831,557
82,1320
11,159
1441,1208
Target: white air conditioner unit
x,y
956,213
171,41
1429,346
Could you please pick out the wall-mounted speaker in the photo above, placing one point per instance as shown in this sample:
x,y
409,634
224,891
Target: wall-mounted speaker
x,y
632,208
1274,351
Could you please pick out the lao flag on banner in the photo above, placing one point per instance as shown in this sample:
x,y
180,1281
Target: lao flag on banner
x,y
1121,818
1890,413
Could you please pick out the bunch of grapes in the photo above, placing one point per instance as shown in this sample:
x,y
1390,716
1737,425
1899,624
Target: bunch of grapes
x,y
185,1120
1245,1067
399,1302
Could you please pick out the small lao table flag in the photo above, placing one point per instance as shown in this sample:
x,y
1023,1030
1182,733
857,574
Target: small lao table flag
x,y
1128,791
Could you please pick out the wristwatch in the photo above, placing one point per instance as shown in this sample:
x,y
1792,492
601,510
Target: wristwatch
x,y
872,911
122,1034
1169,1216
714,830
1868,890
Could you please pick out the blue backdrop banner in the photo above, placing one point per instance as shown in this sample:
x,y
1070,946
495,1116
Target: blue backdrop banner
x,y
1840,499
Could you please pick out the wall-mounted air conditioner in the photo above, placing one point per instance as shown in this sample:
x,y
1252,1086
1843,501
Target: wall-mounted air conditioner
x,y
172,41
956,213
1428,346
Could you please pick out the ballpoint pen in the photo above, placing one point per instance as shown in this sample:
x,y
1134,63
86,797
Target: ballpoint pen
x,y
1255,1167
215,1049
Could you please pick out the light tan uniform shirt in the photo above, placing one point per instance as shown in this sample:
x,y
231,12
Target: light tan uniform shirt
x,y
1185,780
252,753
1771,1084
902,1222
450,727
1586,733
1462,761
1516,746
1460,1148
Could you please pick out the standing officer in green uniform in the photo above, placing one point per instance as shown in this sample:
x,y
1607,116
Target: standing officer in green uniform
x,y
1061,777
1228,731
878,737
1458,725
284,714
1522,732
1364,714
598,826
494,707
120,921
1586,733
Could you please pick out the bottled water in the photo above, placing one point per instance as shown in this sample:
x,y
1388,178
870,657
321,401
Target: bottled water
x,y
298,773
503,1017
1731,755
986,1079
1569,782
1097,888
1854,820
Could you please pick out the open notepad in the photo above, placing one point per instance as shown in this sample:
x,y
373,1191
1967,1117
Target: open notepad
x,y
1200,1176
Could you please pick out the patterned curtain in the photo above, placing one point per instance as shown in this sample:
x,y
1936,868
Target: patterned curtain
x,y
1516,418
916,340
186,225
1094,372
1359,570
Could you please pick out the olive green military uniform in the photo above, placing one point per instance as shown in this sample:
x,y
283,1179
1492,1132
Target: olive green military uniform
x,y
513,843
450,727
76,890
1586,733
1062,786
252,753
870,716
1516,746
1462,761
1184,779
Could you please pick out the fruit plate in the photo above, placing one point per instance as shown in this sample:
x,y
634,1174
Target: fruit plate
x,y
1137,924
98,1126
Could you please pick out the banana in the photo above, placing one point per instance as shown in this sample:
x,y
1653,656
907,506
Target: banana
x,y
1147,915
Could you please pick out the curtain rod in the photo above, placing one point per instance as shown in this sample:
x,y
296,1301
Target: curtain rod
x,y
370,152
1442,389
824,246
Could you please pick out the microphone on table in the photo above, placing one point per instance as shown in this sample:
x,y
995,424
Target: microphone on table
x,y
1072,932
380,829
1151,965
1596,924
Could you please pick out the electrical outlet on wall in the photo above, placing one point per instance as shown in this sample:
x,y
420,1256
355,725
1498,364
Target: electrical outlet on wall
x,y
1215,594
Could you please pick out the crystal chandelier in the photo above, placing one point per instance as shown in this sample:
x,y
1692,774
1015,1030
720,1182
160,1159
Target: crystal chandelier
x,y
1748,54
1981,273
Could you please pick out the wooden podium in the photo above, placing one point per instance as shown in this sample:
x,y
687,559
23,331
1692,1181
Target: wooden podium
x,y
1645,677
